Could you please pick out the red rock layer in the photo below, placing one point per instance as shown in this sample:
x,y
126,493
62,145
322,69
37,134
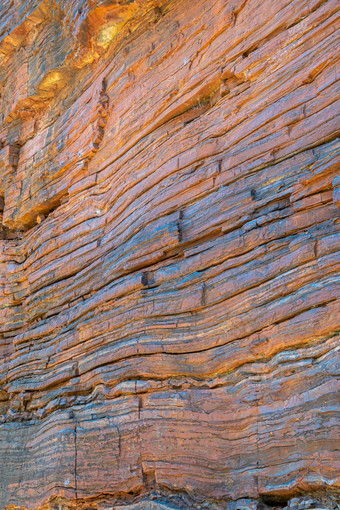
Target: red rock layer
x,y
169,253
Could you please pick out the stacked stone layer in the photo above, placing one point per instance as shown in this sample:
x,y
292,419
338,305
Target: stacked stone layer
x,y
169,253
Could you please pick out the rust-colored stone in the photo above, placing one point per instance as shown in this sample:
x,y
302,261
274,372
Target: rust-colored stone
x,y
169,254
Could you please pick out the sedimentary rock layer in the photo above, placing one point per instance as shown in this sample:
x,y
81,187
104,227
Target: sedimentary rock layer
x,y
169,253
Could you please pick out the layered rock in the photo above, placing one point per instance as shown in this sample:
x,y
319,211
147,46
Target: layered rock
x,y
169,254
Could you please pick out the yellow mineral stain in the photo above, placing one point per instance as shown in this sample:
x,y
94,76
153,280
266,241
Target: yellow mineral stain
x,y
106,36
53,80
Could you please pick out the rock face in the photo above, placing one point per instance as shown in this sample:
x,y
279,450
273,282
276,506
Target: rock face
x,y
169,254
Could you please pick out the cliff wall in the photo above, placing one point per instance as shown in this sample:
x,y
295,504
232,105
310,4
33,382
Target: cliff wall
x,y
169,254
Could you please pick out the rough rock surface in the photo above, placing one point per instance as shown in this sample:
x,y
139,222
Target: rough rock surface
x,y
169,254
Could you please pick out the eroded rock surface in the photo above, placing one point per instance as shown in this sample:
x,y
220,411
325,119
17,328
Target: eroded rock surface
x,y
169,254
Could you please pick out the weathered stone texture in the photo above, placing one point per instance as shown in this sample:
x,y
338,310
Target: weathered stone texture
x,y
169,254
